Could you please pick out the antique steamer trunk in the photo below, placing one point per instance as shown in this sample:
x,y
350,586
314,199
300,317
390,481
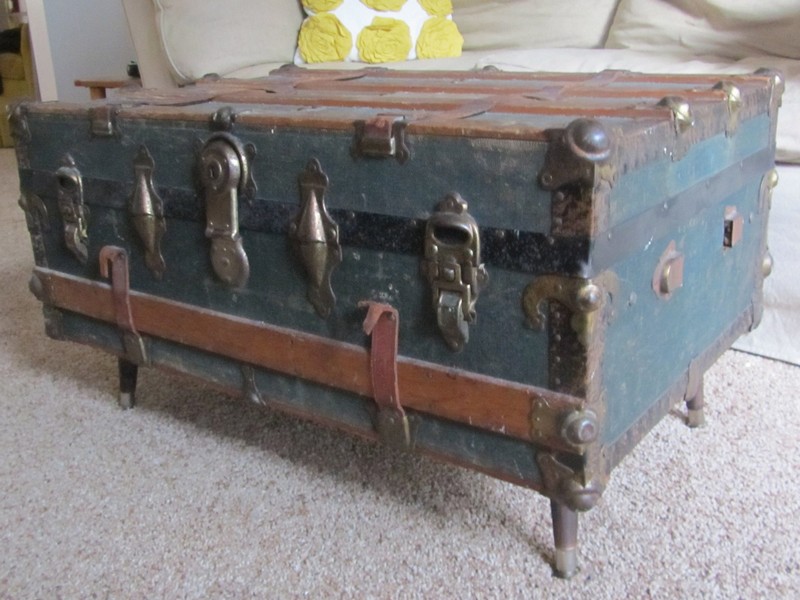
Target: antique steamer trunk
x,y
516,273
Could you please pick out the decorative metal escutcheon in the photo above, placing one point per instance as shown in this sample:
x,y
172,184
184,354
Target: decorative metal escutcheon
x,y
147,212
74,213
315,238
224,172
453,267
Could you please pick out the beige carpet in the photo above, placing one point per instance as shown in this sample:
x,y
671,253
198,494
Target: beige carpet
x,y
196,495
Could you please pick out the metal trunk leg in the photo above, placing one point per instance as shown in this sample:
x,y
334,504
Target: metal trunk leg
x,y
695,415
565,534
128,372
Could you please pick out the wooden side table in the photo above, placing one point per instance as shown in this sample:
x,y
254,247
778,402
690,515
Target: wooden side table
x,y
98,87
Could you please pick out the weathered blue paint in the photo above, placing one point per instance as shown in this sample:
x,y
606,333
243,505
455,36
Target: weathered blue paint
x,y
497,177
666,335
653,183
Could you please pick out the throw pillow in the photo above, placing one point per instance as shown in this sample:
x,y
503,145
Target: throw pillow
x,y
377,31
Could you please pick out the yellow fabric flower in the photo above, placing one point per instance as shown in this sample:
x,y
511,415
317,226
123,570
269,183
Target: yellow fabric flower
x,y
437,8
385,4
323,38
439,38
384,40
318,6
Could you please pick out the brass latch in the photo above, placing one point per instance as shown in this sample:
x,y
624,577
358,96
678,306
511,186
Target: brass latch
x,y
381,137
73,211
114,264
224,171
315,237
453,268
147,212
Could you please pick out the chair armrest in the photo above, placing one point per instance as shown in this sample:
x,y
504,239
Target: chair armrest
x,y
141,17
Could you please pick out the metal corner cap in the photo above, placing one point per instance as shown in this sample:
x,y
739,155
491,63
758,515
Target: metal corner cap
x,y
588,139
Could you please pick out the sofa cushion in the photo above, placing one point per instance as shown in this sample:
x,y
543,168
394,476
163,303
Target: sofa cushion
x,y
507,24
729,28
205,36
377,31
569,60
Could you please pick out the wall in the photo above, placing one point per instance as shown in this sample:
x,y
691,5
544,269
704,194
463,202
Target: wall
x,y
78,39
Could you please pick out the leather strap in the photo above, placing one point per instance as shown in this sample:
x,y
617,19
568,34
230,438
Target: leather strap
x,y
117,259
381,324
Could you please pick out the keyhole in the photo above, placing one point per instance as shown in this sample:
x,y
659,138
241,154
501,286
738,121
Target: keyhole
x,y
214,170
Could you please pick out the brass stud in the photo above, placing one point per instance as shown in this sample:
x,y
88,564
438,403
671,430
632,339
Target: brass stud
x,y
767,264
772,179
682,116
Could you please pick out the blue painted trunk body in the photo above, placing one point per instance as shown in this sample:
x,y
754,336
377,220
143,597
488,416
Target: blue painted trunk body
x,y
623,248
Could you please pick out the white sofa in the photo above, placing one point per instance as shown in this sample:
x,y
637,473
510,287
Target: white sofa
x,y
178,41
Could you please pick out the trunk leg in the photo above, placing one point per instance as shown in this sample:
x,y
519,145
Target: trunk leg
x,y
695,415
128,372
565,534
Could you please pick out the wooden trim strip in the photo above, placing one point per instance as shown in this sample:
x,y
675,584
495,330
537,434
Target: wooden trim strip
x,y
293,74
477,400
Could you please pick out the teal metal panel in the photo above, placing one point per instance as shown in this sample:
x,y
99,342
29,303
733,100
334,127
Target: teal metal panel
x,y
664,336
649,185
496,177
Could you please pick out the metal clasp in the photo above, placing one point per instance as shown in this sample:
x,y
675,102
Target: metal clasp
x,y
224,172
114,264
73,211
381,137
453,268
147,212
315,237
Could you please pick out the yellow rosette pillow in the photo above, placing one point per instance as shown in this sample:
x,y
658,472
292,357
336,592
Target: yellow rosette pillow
x,y
377,31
